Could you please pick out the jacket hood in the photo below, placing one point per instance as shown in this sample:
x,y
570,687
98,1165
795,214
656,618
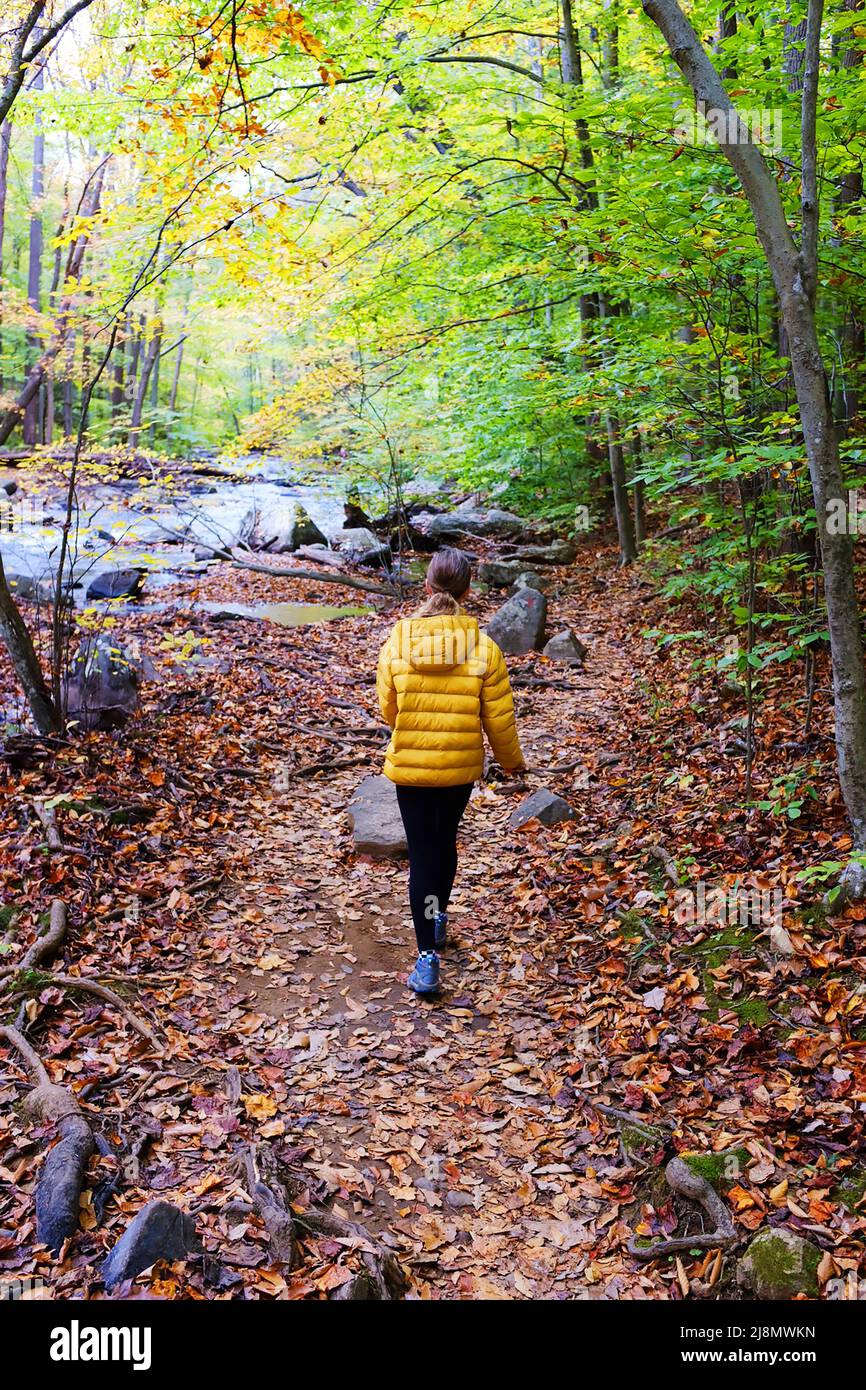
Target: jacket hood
x,y
441,642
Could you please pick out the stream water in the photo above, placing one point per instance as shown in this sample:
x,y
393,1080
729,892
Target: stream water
x,y
156,526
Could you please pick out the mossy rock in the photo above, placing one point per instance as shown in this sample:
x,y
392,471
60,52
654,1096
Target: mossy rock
x,y
721,1170
779,1264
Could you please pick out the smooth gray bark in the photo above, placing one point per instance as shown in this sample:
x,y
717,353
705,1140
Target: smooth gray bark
x,y
790,277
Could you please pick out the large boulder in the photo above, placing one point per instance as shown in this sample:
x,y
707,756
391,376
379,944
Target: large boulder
x,y
375,820
528,579
779,1264
565,647
102,684
30,589
518,626
557,553
471,521
281,529
117,584
160,1231
544,806
356,540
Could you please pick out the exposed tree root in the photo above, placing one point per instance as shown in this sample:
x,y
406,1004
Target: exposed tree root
x,y
273,1203
48,818
666,860
384,1277
61,1176
45,945
110,997
685,1183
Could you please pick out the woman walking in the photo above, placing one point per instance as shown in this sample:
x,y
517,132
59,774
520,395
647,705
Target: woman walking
x,y
441,681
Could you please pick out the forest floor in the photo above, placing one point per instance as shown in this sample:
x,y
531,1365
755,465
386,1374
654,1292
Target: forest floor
x,y
210,876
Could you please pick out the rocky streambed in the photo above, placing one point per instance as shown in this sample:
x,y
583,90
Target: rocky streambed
x,y
163,522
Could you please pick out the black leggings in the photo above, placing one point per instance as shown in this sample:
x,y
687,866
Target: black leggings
x,y
431,816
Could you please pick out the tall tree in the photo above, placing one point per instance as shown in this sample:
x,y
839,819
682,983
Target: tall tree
x,y
794,272
31,423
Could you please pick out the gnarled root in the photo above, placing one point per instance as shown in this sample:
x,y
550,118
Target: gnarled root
x,y
61,1176
685,1183
46,945
382,1278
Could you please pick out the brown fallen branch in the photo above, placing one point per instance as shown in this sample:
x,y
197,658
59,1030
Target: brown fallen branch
x,y
61,1176
545,683
630,1117
48,818
45,945
685,1183
117,913
331,559
348,581
346,737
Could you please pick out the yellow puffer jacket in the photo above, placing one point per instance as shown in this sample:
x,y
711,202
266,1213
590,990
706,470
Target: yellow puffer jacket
x,y
440,680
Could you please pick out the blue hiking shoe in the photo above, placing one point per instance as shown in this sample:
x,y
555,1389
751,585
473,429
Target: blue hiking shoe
x,y
440,930
425,977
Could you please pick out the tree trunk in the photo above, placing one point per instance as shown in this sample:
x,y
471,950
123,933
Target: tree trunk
x,y
727,30
150,357
25,661
790,277
172,400
32,386
849,191
5,138
622,510
154,390
639,492
30,424
118,371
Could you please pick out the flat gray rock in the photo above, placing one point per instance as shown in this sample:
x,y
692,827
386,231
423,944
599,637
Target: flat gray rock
x,y
356,540
557,553
375,821
566,647
117,584
498,574
518,626
474,522
544,806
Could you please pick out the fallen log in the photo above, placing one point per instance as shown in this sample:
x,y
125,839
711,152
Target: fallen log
x,y
331,559
347,580
61,1176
